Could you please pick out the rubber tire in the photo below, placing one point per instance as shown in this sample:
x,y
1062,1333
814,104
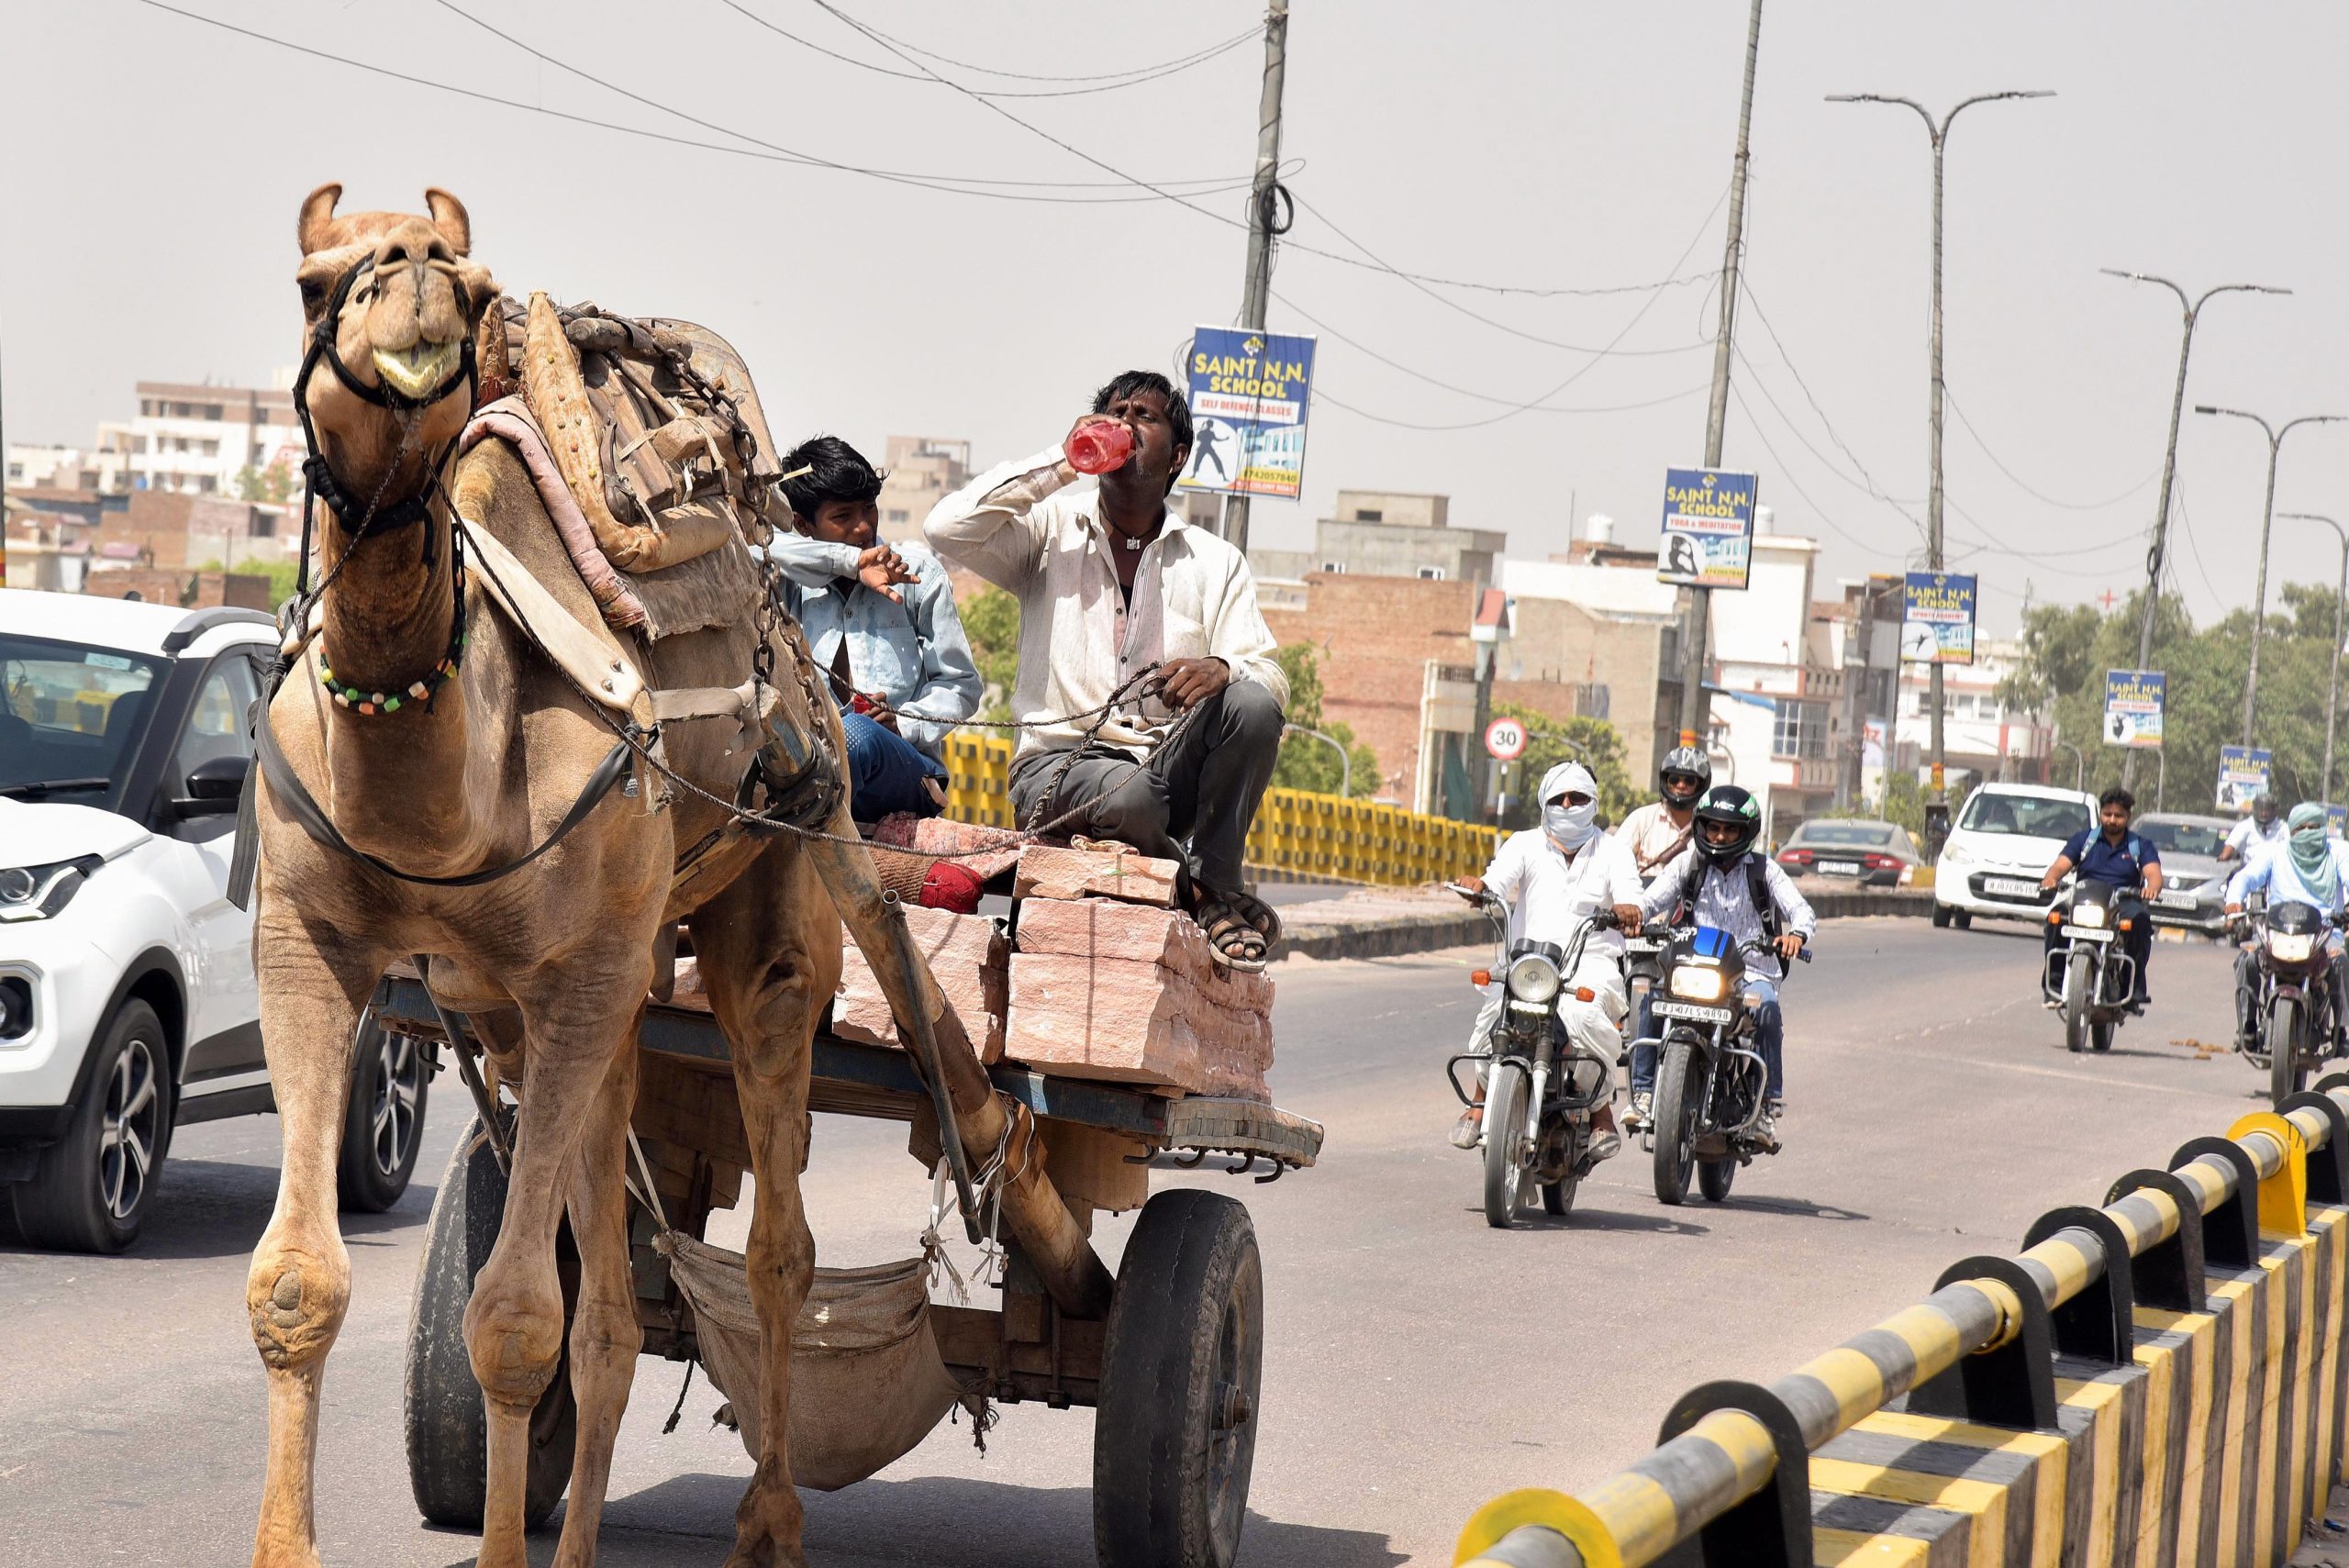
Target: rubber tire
x,y
2100,1035
1505,1176
1714,1178
1676,1118
1962,918
1558,1196
2287,1023
2075,1003
1190,1294
60,1207
362,1184
1940,917
447,1428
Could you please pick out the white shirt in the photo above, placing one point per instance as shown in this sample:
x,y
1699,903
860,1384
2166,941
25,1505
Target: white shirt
x,y
1654,838
2248,833
2271,867
1725,901
1027,528
1549,895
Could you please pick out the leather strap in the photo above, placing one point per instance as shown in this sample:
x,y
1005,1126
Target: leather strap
x,y
600,672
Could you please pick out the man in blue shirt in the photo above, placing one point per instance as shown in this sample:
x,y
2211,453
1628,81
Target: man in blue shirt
x,y
881,623
2119,859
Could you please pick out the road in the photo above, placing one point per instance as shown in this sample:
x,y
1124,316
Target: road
x,y
1418,1362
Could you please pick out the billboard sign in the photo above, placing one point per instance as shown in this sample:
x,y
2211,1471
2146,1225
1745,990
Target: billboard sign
x,y
2132,706
1708,528
1249,394
2243,773
1937,618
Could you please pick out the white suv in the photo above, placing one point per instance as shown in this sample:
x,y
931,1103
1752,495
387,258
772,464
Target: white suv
x,y
2002,843
127,1002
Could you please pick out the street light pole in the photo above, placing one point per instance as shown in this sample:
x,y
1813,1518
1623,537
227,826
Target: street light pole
x,y
2153,557
2332,687
1939,133
2276,435
2079,764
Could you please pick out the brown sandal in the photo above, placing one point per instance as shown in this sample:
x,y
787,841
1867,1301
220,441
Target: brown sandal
x,y
1236,925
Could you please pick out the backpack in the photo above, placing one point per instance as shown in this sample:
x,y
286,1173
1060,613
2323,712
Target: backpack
x,y
1758,884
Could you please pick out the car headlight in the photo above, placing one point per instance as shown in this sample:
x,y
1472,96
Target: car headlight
x,y
2090,915
1533,978
2290,947
1696,984
1955,854
35,893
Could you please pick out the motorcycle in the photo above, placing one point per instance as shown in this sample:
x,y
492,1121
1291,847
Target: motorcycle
x,y
2293,1012
1710,1080
2090,976
1540,1099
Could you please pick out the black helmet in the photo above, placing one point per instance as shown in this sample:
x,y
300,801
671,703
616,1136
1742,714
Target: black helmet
x,y
1735,807
2262,806
1684,761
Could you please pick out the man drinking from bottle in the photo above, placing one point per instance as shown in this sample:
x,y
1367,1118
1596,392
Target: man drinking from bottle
x,y
1147,681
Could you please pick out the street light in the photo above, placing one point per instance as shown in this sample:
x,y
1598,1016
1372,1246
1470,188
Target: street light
x,y
1345,761
2276,435
1939,135
2332,688
2079,763
2169,465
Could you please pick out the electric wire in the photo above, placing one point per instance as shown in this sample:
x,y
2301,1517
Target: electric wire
x,y
1256,32
1746,287
2024,486
1785,471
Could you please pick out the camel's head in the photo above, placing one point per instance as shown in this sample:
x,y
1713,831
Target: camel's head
x,y
404,296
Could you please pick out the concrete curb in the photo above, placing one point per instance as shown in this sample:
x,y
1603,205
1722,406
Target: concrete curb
x,y
1370,924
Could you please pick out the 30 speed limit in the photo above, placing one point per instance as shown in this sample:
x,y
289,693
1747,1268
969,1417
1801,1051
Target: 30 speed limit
x,y
1505,739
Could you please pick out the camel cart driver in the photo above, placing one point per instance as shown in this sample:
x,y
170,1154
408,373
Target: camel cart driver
x,y
1109,585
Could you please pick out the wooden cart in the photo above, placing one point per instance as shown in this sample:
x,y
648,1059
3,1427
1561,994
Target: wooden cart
x,y
1172,1367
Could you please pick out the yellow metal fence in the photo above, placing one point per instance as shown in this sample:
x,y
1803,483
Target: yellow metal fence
x,y
1296,832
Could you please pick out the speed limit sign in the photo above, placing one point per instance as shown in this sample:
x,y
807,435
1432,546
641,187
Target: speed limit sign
x,y
1506,739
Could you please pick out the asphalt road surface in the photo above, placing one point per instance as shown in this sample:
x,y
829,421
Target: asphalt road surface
x,y
1418,1363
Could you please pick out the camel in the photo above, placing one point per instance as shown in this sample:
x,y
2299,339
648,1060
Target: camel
x,y
479,766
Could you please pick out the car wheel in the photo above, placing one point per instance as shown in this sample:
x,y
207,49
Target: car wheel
x,y
91,1189
384,1125
1963,919
1940,917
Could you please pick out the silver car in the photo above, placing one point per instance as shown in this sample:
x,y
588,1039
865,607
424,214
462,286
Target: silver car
x,y
2194,885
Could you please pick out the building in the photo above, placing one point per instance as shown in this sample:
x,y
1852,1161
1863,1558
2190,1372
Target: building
x,y
198,440
1614,631
1390,534
917,473
1982,737
98,471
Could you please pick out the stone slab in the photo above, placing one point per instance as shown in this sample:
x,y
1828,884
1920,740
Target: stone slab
x,y
1110,872
966,954
1132,1022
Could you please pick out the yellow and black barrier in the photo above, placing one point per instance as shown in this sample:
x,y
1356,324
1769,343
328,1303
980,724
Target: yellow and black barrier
x,y
1296,832
2154,1383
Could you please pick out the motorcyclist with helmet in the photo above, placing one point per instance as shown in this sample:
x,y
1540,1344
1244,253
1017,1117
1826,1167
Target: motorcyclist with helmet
x,y
1655,834
1725,882
2263,829
2309,867
1554,876
2111,854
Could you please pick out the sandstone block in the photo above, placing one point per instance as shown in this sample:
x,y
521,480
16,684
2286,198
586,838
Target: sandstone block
x,y
1139,933
966,954
1096,872
987,852
1127,1020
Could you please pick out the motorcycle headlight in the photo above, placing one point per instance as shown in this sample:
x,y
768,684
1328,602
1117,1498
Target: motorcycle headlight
x,y
36,893
1533,978
1694,984
2290,947
2090,915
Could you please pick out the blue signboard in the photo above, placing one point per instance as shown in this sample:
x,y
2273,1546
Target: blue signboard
x,y
1708,528
2134,700
2243,771
1937,618
1249,392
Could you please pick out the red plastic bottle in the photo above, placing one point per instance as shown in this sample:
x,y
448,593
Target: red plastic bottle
x,y
1098,448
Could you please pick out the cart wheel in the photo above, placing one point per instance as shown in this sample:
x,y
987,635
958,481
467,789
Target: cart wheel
x,y
448,1432
1174,1439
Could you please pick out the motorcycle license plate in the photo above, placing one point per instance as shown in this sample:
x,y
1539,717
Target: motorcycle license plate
x,y
2087,933
2009,887
1697,1011
1839,868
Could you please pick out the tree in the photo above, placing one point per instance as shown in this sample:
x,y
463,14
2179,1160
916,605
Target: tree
x,y
1593,742
1306,763
991,621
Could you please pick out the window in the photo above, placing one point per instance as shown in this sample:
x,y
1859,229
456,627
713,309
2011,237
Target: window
x,y
899,514
1369,514
1431,573
1333,566
147,409
212,412
1592,700
2030,816
1800,729
80,709
215,727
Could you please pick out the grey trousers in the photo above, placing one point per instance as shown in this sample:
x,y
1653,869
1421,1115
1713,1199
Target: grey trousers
x,y
1203,786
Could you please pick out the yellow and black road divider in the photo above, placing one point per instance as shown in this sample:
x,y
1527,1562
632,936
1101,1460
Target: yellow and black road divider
x,y
2154,1383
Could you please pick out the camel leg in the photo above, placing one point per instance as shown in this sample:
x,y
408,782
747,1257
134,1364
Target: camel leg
x,y
576,1021
769,953
605,1335
312,986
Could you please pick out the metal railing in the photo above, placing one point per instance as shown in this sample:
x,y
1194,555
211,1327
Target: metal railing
x,y
1735,1440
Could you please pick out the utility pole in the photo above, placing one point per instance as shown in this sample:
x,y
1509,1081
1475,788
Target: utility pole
x,y
1939,133
2275,434
2332,687
1264,196
2156,555
1692,656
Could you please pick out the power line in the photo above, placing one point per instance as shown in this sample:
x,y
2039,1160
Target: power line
x,y
1865,484
1785,471
1321,394
2024,485
1328,330
953,184
1033,76
1746,287
1102,85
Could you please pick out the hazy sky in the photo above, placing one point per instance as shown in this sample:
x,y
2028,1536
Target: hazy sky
x,y
155,164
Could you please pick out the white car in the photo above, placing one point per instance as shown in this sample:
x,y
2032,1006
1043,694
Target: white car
x,y
127,1002
2002,843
